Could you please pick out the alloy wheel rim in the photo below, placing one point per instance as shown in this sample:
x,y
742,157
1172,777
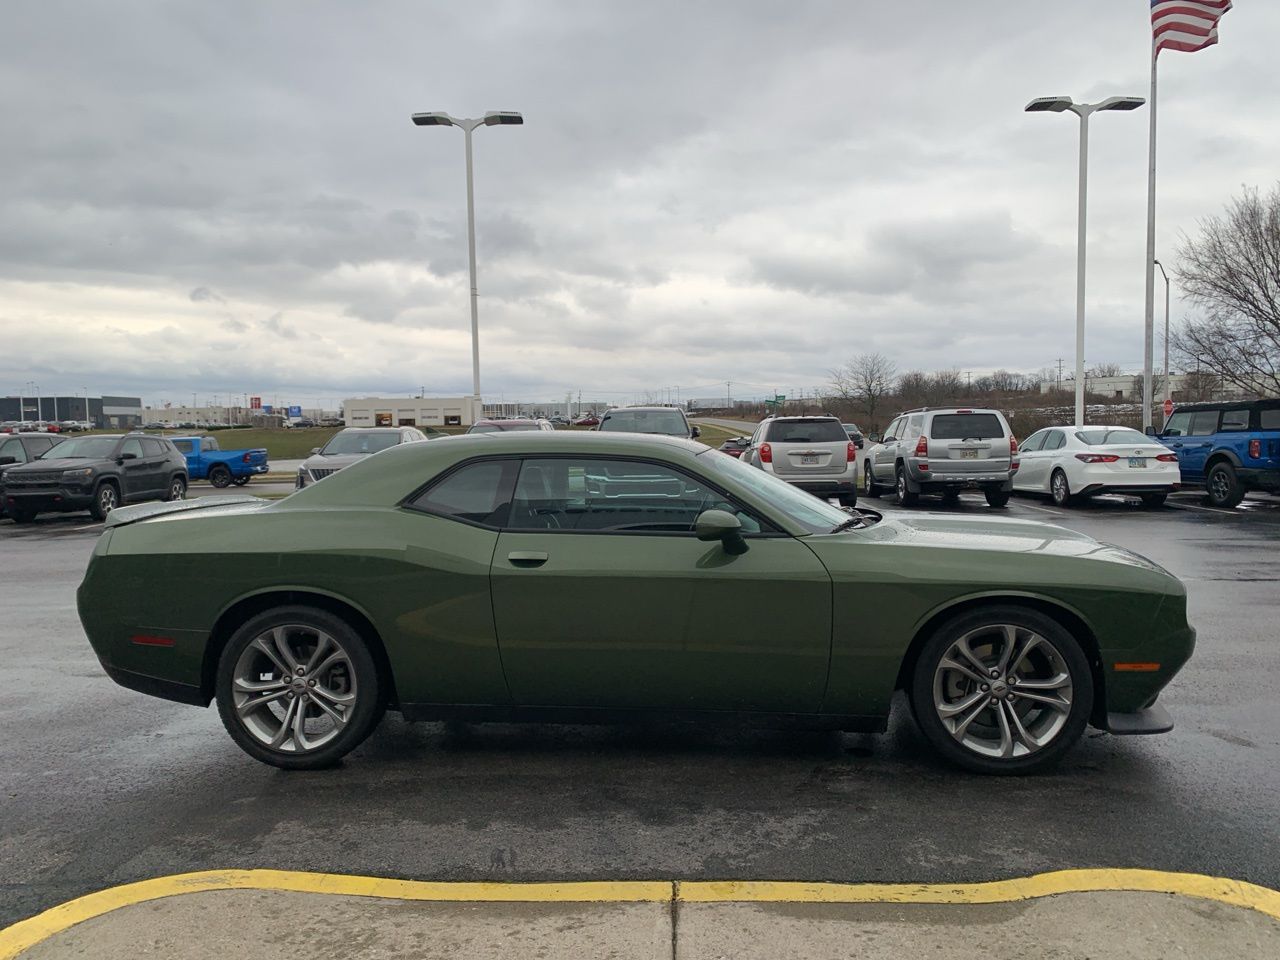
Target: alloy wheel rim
x,y
1220,486
177,489
1003,691
866,479
902,486
294,688
1059,487
107,499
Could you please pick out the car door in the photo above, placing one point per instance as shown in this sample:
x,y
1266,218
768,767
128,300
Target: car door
x,y
604,598
135,480
157,458
1030,475
1189,434
886,453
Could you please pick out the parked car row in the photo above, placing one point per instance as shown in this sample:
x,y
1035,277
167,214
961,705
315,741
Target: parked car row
x,y
43,426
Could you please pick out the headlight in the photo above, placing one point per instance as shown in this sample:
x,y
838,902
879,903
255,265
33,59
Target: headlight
x,y
82,474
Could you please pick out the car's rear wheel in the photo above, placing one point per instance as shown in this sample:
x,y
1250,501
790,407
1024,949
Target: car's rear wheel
x,y
1060,489
906,497
1150,500
1224,486
220,476
105,499
848,499
996,498
869,488
177,490
298,688
1002,690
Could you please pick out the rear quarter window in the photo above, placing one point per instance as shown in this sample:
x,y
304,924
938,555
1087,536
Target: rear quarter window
x,y
184,446
966,426
807,431
1271,419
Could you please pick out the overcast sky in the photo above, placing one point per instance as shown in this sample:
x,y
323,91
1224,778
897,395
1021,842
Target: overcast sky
x,y
230,198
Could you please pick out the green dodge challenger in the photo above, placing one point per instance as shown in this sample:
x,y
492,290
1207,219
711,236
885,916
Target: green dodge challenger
x,y
578,577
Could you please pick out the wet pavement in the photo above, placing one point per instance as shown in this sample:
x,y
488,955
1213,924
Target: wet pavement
x,y
101,786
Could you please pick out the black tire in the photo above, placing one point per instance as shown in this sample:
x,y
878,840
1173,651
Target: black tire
x,y
105,499
1153,500
367,712
1060,489
996,498
951,497
869,488
240,481
219,476
848,499
21,516
177,489
1223,486
905,497
921,690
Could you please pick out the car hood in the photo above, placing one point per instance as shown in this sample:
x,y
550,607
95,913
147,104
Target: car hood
x,y
998,534
58,463
316,461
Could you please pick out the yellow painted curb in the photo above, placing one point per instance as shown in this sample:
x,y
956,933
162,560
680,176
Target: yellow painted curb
x,y
27,933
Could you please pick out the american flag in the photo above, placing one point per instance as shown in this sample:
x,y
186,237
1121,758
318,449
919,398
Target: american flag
x,y
1187,25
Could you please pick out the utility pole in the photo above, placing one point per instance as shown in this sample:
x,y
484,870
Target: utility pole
x,y
1060,362
728,394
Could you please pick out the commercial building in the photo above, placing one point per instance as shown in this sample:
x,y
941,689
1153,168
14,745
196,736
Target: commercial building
x,y
411,411
106,412
1182,387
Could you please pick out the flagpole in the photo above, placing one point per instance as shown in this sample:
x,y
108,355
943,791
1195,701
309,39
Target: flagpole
x,y
1148,266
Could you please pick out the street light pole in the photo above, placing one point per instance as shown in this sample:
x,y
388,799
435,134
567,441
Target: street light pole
x,y
1166,329
1083,111
490,119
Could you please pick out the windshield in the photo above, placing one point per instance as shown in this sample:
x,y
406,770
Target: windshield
x,y
1099,438
81,448
816,516
353,444
668,422
807,431
966,426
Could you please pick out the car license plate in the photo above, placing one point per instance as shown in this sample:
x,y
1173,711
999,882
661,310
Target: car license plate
x,y
968,454
809,458
1137,461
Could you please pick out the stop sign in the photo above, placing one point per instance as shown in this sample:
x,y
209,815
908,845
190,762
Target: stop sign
x,y
1168,407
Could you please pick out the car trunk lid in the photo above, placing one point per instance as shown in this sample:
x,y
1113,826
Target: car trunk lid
x,y
151,511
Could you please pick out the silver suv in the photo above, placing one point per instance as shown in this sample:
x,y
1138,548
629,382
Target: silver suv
x,y
943,451
813,453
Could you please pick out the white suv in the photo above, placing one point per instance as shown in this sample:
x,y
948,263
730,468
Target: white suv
x,y
813,453
943,451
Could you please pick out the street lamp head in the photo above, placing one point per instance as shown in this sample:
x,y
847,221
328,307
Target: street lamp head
x,y
436,119
1049,105
502,117
1121,103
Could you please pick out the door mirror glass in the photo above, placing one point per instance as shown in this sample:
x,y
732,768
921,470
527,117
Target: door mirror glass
x,y
1149,430
696,432
126,456
723,526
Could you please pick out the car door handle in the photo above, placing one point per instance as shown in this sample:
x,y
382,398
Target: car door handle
x,y
527,558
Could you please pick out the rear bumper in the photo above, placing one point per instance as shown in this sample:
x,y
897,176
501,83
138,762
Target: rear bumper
x,y
824,486
1255,478
1134,489
939,477
1152,719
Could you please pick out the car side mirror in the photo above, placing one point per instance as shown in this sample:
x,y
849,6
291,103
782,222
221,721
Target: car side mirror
x,y
1149,430
723,526
7,460
695,432
314,451
126,456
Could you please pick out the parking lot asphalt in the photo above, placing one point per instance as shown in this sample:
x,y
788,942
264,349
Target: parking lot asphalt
x,y
101,786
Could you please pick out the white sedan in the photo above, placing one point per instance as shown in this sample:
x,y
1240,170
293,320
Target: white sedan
x,y
1073,462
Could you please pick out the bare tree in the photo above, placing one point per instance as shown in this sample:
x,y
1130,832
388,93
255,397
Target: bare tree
x,y
866,379
1232,272
1105,370
1198,385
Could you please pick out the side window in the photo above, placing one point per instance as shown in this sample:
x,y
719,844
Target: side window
x,y
614,496
1204,423
1033,442
1179,425
477,493
1270,419
1235,419
153,448
891,431
184,446
1054,440
132,445
914,426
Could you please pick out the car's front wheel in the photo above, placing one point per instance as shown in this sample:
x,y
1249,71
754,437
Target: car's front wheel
x,y
1152,500
105,499
298,688
21,516
1002,690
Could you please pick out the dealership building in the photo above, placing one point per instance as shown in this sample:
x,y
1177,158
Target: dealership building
x,y
110,413
411,411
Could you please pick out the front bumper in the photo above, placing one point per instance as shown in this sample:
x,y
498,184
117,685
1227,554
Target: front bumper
x,y
60,500
1149,720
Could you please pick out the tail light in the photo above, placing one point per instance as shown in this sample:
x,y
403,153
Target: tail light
x,y
1013,444
922,446
766,453
852,452
1255,449
245,458
1168,458
1096,458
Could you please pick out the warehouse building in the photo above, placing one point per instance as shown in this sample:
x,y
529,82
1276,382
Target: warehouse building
x,y
411,411
110,413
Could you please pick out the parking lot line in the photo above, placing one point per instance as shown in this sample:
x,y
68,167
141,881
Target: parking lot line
x,y
27,933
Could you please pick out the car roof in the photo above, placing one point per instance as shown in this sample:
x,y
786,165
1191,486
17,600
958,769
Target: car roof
x,y
656,406
807,416
374,429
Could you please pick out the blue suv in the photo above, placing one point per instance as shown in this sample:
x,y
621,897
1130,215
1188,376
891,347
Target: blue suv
x,y
1227,447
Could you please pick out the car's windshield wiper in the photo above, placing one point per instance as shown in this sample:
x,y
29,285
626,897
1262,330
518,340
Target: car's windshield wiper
x,y
858,521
